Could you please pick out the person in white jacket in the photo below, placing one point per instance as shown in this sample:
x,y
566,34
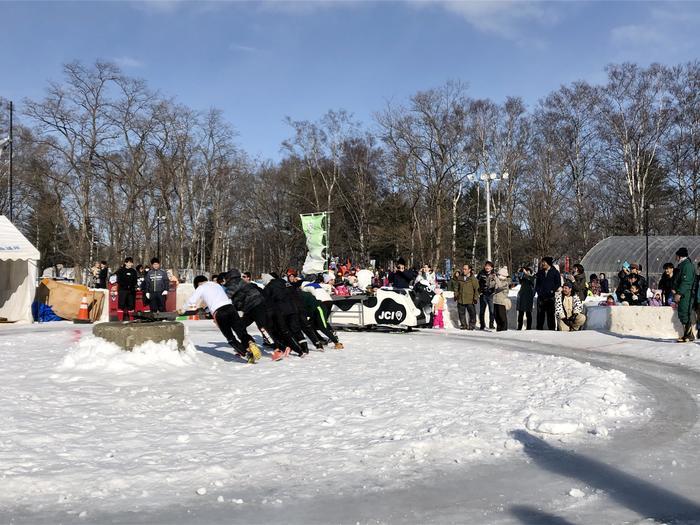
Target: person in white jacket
x,y
213,296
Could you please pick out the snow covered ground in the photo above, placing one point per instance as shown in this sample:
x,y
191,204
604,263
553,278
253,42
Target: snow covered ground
x,y
89,432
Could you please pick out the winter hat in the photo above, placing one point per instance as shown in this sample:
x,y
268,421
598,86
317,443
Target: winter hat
x,y
567,284
234,273
291,271
503,272
548,260
266,278
327,277
682,252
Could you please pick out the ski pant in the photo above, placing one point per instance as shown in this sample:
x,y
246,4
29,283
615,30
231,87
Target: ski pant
x,y
321,324
464,310
545,308
438,321
501,316
260,316
288,330
127,299
572,325
232,327
484,302
308,329
521,315
157,302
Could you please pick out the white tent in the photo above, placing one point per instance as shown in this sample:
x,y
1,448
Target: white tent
x,y
18,273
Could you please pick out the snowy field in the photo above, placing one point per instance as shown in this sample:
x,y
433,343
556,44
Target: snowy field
x,y
89,431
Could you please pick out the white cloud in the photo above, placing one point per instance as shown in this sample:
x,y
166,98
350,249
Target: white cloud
x,y
660,33
158,6
128,62
242,48
513,20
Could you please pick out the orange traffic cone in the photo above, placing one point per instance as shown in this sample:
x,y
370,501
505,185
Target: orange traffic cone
x,y
83,317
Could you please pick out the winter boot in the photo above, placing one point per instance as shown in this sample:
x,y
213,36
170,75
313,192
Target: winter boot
x,y
254,353
339,346
304,348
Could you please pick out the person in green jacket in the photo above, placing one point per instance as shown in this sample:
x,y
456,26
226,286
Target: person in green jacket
x,y
467,295
683,294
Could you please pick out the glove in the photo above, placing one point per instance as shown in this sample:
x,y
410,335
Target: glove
x,y
148,295
165,292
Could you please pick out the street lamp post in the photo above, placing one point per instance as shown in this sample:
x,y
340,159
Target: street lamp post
x,y
159,220
487,178
647,207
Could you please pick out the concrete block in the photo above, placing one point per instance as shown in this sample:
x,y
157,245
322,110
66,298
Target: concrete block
x,y
130,335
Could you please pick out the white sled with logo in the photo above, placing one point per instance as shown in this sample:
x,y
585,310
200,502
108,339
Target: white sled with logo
x,y
393,308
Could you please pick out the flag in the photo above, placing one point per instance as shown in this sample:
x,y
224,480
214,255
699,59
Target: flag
x,y
315,228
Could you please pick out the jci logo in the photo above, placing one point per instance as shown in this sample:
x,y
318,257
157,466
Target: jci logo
x,y
390,312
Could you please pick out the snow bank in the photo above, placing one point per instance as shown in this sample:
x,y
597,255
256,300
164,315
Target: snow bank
x,y
89,426
95,353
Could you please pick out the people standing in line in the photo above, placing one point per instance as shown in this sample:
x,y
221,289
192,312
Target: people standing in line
x,y
487,285
103,275
683,288
467,296
126,287
155,286
501,301
213,296
526,298
569,309
604,284
547,283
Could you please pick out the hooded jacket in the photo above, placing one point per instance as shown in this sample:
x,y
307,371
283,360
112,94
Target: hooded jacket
x,y
244,296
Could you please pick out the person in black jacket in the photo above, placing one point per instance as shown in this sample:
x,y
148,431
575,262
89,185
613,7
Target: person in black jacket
x,y
248,298
297,299
155,286
126,286
287,326
402,277
487,285
580,286
666,283
604,284
547,283
103,275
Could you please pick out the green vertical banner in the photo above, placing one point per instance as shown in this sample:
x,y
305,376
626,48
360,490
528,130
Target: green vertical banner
x,y
315,226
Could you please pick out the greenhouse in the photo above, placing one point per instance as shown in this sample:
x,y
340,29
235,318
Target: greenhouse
x,y
611,253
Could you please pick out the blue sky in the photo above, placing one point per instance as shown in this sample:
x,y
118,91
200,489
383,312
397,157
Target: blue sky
x,y
262,61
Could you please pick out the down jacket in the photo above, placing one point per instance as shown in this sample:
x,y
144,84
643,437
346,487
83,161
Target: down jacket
x,y
244,296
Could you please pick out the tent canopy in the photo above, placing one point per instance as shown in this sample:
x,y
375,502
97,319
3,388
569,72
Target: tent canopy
x,y
18,273
13,245
609,254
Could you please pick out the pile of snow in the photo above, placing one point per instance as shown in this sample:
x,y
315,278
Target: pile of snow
x,y
87,425
94,353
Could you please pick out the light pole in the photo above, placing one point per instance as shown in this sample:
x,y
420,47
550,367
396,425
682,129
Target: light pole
x,y
487,178
647,207
159,220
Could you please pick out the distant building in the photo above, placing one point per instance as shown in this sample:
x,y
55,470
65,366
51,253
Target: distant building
x,y
609,254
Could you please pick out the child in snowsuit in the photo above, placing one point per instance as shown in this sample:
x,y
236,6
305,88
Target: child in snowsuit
x,y
438,309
